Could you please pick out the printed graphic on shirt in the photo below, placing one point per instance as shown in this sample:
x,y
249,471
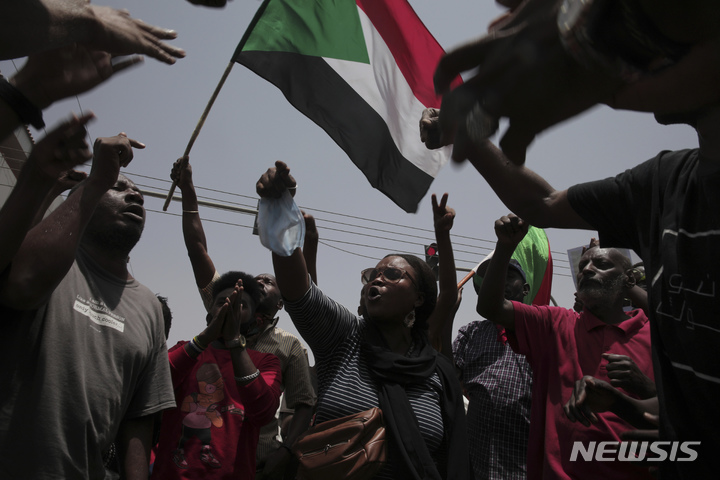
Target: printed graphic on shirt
x,y
686,285
691,292
204,412
99,313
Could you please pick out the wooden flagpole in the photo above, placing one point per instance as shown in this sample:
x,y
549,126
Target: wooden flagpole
x,y
198,127
469,275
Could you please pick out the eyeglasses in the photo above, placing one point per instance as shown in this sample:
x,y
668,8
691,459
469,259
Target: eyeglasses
x,y
391,274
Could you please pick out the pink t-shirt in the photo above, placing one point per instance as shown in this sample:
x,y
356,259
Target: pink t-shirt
x,y
214,410
562,346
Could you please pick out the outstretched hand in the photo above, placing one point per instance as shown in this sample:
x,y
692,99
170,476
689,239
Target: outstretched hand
x,y
120,34
443,216
524,74
590,396
52,75
275,181
62,149
510,229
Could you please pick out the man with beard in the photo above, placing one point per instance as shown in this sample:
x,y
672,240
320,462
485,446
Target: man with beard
x,y
83,345
664,209
562,346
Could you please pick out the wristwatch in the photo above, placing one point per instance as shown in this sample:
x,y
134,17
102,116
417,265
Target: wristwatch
x,y
238,342
615,35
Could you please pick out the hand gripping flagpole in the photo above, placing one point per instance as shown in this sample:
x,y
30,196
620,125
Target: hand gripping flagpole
x,y
198,127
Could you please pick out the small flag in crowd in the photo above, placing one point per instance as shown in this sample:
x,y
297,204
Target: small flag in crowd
x,y
362,70
533,255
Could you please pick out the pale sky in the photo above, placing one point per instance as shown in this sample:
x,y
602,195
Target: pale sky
x,y
252,125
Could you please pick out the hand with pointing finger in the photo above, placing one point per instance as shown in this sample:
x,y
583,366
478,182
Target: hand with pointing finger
x,y
109,155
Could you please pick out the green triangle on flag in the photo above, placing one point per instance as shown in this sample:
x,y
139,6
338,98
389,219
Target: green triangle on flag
x,y
321,28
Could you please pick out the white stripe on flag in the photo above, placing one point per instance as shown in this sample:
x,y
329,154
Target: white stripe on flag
x,y
385,89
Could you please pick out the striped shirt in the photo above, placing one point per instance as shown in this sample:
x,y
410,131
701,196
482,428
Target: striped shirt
x,y
345,386
296,382
499,384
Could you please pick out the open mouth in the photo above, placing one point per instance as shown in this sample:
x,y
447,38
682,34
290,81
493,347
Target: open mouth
x,y
373,293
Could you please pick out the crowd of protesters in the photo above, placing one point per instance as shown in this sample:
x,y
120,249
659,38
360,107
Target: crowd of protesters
x,y
90,389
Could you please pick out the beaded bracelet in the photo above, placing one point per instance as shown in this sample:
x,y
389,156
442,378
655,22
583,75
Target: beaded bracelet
x,y
24,108
195,347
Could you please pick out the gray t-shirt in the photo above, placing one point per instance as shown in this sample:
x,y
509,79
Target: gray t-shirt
x,y
72,370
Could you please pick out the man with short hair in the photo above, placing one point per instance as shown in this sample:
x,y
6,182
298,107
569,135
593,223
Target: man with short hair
x,y
82,343
225,391
498,383
273,457
562,346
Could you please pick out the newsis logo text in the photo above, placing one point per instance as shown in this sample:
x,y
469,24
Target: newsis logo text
x,y
658,451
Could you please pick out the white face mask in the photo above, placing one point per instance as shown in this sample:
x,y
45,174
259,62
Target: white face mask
x,y
280,224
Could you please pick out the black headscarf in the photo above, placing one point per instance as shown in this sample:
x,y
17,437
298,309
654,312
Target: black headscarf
x,y
393,372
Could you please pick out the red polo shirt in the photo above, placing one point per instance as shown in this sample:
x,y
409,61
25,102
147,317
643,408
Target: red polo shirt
x,y
562,346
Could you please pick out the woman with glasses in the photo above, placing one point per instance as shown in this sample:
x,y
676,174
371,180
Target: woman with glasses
x,y
383,357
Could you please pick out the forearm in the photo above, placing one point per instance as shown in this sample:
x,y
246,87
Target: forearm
x,y
48,250
639,299
182,362
261,395
447,275
491,298
30,26
54,193
22,206
194,237
523,191
442,317
446,339
299,423
242,363
20,85
291,274
519,188
310,247
196,245
633,411
134,441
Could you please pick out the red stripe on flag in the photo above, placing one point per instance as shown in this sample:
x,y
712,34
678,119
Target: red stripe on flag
x,y
415,50
543,295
